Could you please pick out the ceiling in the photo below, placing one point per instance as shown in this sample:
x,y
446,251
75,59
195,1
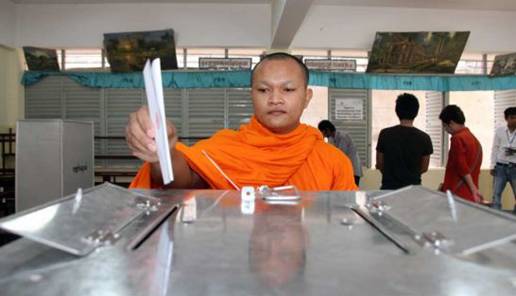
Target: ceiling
x,y
437,4
140,1
278,23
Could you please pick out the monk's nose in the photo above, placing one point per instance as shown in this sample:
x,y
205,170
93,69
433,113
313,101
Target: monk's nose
x,y
275,98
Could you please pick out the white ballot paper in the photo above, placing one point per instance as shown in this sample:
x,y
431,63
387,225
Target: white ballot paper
x,y
154,91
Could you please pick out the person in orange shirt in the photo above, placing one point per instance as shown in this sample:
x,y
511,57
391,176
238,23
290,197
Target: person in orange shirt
x,y
464,157
273,149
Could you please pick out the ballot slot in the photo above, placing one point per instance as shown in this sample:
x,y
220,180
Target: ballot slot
x,y
368,217
152,226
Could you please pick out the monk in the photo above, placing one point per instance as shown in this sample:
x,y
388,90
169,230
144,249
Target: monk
x,y
273,149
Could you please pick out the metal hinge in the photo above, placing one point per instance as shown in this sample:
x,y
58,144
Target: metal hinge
x,y
433,239
102,238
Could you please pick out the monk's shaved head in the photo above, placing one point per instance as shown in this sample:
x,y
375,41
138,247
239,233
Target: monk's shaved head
x,y
282,56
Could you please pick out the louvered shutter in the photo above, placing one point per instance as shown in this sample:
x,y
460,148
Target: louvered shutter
x,y
503,100
174,101
119,103
434,104
240,107
206,112
83,103
44,99
357,125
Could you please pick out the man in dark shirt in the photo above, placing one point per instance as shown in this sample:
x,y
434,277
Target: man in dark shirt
x,y
403,151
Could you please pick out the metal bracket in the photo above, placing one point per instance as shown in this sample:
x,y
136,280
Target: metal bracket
x,y
377,207
102,238
287,194
434,239
147,204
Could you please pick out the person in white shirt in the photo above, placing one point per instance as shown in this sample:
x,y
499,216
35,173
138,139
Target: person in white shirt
x,y
503,158
344,142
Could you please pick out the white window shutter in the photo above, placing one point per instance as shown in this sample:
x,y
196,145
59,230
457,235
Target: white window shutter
x,y
118,104
434,101
357,126
44,99
240,107
503,100
206,111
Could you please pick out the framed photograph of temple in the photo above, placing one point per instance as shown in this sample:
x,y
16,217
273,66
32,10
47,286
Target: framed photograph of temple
x,y
128,52
504,65
416,52
41,59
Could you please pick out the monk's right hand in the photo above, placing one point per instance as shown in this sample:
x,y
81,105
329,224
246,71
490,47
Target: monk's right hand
x,y
140,135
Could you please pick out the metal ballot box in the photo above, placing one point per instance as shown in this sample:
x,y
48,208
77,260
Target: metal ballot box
x,y
54,157
111,241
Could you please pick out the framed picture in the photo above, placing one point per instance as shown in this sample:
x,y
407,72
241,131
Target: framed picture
x,y
128,52
504,65
416,52
41,59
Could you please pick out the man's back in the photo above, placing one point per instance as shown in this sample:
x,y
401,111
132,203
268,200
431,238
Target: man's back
x,y
464,158
344,142
403,148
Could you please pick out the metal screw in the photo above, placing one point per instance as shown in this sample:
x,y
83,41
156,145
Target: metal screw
x,y
35,277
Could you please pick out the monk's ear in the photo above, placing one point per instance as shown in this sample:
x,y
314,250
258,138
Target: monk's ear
x,y
309,94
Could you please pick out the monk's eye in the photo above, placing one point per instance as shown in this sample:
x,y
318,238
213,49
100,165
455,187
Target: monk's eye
x,y
262,89
289,89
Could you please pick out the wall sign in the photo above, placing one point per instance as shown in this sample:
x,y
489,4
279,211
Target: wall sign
x,y
331,65
349,109
225,63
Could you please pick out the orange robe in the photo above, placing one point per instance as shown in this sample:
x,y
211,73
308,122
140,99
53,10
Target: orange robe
x,y
254,156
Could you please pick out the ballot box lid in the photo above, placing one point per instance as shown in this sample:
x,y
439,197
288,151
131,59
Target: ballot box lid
x,y
456,225
81,222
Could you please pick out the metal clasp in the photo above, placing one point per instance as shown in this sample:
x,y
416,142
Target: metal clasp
x,y
434,239
378,207
147,204
102,237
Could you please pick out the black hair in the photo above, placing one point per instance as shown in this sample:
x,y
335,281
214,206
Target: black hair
x,y
452,112
407,106
326,125
282,56
511,111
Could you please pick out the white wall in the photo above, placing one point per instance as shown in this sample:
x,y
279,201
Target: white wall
x,y
7,22
355,27
82,26
11,90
